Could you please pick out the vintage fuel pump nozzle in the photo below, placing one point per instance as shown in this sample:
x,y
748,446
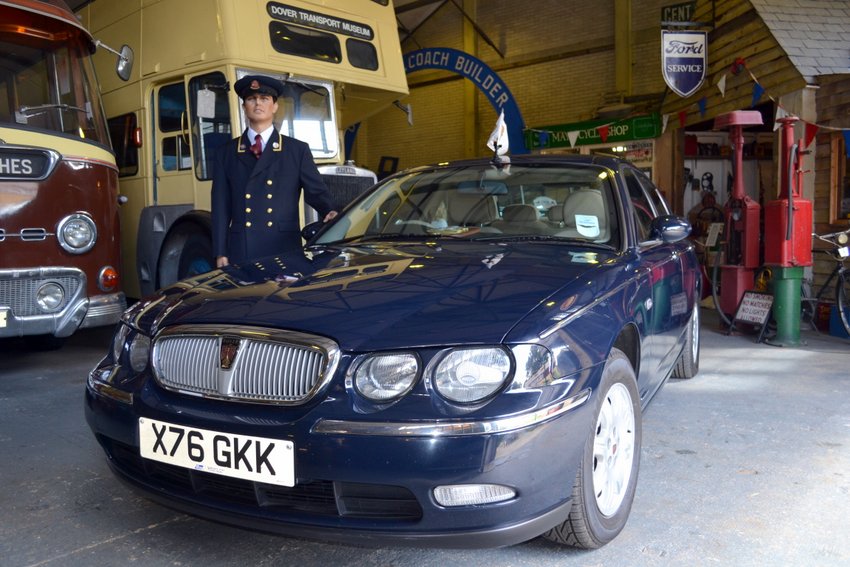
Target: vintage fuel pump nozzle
x,y
788,238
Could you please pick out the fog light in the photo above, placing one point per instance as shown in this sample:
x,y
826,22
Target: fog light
x,y
49,296
472,494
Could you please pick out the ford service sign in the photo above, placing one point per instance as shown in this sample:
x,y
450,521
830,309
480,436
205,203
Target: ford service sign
x,y
683,60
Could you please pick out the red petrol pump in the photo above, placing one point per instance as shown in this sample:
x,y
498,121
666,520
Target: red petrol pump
x,y
737,273
788,238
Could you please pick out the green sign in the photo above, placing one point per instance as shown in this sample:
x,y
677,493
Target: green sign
x,y
678,13
593,132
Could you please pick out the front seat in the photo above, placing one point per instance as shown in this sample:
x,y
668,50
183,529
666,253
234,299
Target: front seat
x,y
521,219
584,215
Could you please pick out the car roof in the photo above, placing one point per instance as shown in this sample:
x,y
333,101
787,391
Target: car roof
x,y
610,161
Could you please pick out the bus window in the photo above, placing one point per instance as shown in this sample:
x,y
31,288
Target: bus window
x,y
295,40
210,120
361,54
305,112
121,130
171,107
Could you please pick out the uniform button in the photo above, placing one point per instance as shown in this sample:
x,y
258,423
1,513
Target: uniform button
x,y
269,196
248,224
247,195
268,211
268,181
248,210
270,223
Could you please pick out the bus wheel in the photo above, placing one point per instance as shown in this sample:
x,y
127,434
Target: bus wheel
x,y
186,253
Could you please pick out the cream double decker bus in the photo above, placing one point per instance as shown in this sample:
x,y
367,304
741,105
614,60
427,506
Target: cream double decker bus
x,y
340,61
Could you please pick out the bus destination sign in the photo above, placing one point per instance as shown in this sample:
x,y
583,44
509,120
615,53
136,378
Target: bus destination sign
x,y
319,21
23,164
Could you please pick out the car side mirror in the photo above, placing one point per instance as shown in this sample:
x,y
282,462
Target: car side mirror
x,y
311,230
669,229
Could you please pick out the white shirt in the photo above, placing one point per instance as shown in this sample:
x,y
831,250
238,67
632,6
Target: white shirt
x,y
265,135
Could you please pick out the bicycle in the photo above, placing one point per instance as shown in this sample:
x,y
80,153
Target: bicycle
x,y
838,251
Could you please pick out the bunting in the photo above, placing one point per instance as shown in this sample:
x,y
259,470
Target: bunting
x,y
738,67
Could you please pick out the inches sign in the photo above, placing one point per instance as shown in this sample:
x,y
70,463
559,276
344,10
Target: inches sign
x,y
684,55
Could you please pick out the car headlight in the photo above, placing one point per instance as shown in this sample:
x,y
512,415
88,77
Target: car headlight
x,y
472,374
385,377
140,348
77,233
118,341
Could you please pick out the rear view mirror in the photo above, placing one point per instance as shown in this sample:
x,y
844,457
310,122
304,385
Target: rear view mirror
x,y
124,66
125,63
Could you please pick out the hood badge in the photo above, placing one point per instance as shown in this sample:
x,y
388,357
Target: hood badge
x,y
228,349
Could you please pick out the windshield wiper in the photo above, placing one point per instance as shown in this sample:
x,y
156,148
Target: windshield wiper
x,y
542,238
377,238
38,109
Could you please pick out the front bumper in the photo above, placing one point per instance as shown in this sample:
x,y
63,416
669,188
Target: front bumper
x,y
354,487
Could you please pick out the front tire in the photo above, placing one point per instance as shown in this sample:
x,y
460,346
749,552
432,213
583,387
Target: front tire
x,y
605,485
687,365
842,295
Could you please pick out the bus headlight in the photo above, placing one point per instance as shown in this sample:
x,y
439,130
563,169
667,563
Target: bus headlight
x,y
77,233
49,296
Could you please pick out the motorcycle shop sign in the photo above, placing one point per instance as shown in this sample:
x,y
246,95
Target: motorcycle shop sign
x,y
684,55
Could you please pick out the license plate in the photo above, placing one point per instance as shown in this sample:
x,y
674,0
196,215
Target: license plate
x,y
257,459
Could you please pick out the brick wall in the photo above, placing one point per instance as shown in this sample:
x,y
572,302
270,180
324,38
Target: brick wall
x,y
558,63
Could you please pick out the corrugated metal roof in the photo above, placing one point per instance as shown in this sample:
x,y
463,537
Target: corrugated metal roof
x,y
815,34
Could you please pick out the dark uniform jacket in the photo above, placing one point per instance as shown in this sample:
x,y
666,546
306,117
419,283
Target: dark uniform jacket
x,y
255,201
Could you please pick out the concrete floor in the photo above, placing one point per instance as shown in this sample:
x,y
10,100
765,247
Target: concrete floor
x,y
746,464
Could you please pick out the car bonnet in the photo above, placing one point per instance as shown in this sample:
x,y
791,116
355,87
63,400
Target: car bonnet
x,y
390,296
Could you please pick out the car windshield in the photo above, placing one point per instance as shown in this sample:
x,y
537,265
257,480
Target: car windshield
x,y
487,202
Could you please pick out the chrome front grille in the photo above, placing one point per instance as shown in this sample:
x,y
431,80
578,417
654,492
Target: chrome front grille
x,y
18,290
244,363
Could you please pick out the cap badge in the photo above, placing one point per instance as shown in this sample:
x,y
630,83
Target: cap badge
x,y
255,85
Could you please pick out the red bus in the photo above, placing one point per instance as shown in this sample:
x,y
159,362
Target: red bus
x,y
59,232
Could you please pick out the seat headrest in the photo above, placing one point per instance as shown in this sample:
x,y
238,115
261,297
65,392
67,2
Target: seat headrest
x,y
471,209
520,213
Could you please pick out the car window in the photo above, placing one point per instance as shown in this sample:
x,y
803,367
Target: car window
x,y
570,202
642,207
661,207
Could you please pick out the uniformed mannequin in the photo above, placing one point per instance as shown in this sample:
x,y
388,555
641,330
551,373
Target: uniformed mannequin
x,y
257,183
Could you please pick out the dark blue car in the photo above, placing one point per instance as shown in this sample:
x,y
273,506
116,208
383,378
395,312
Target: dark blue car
x,y
460,359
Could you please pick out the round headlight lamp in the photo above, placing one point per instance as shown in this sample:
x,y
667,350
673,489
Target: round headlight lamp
x,y
140,349
77,233
386,377
49,297
471,375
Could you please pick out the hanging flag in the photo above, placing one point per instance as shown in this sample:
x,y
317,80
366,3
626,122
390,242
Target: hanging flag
x,y
573,136
498,140
847,142
664,120
543,138
603,133
702,102
780,113
811,132
683,117
758,90
721,84
683,60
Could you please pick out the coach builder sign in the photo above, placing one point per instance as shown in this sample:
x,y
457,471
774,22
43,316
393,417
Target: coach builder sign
x,y
684,55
